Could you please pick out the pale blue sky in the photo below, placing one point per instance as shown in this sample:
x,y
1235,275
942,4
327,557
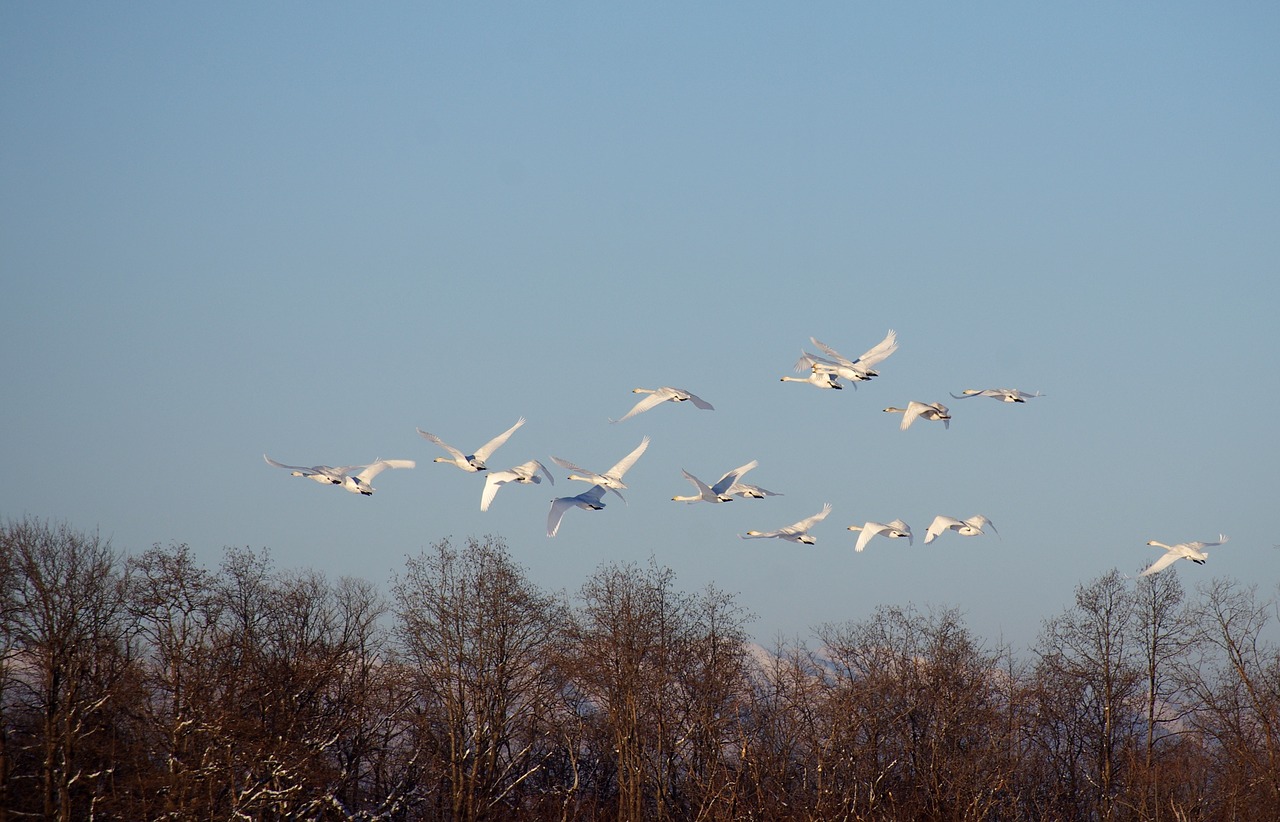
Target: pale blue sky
x,y
305,229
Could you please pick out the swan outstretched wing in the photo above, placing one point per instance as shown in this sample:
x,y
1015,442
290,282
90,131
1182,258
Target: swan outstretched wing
x,y
302,470
485,451
1160,564
940,523
492,482
808,522
868,531
453,452
375,468
623,465
704,491
699,402
879,351
731,478
649,401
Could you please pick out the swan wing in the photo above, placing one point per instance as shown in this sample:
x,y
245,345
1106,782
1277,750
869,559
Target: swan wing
x,y
485,451
909,415
730,478
808,522
492,482
879,351
835,355
940,523
530,470
1200,546
868,531
647,402
376,467
453,452
980,522
304,471
699,402
704,491
623,465
1159,565
558,506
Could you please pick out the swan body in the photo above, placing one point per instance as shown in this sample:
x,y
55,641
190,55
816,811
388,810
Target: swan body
x,y
719,492
657,396
923,410
611,479
971,527
592,500
796,532
1001,394
1193,551
821,379
323,474
526,473
893,530
360,483
471,462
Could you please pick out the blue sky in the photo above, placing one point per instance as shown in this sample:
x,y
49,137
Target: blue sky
x,y
307,229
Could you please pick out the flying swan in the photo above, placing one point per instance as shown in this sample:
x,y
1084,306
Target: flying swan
x,y
893,530
355,483
526,473
471,462
798,532
1193,551
971,527
611,479
1001,394
720,491
324,474
658,396
924,410
592,500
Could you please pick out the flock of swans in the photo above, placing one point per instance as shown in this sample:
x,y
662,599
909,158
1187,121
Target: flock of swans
x,y
829,370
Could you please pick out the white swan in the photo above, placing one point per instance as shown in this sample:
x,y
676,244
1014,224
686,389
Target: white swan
x,y
971,527
471,462
719,492
797,532
822,379
324,474
895,529
1001,394
592,500
611,479
924,410
855,370
359,483
1193,551
525,473
660,395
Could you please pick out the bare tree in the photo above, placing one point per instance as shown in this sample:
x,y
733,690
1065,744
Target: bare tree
x,y
1088,686
477,638
69,636
1235,682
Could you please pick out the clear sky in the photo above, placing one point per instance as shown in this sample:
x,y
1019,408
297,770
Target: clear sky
x,y
305,229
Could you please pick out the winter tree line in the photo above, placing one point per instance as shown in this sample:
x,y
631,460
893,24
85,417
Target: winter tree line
x,y
149,687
